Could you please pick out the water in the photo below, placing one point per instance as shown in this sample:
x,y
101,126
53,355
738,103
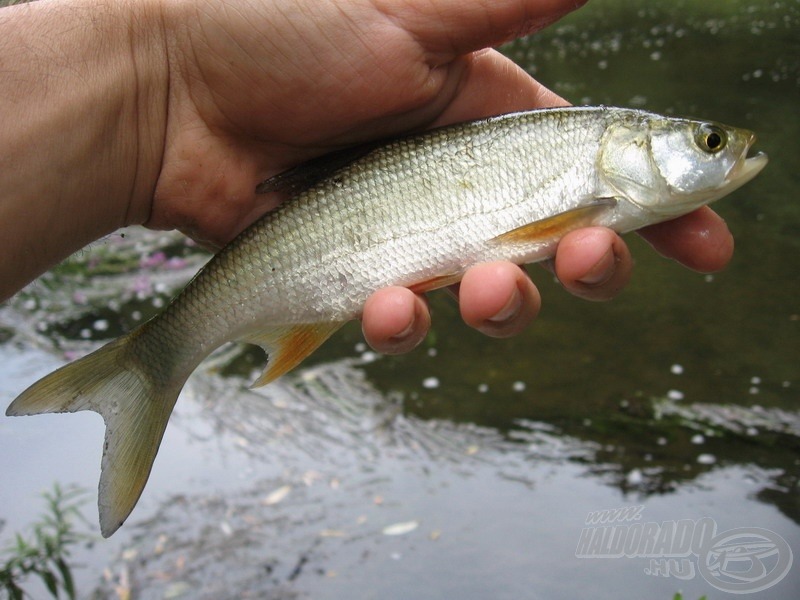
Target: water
x,y
679,397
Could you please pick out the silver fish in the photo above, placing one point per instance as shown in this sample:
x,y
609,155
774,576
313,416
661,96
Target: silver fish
x,y
415,211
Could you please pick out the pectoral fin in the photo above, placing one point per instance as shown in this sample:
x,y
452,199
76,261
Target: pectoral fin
x,y
287,346
558,225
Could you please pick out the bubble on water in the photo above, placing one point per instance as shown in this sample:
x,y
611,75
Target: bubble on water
x,y
675,395
662,441
401,528
158,302
698,439
432,352
136,315
430,383
754,391
676,369
483,388
706,459
360,347
86,334
755,380
369,356
602,65
708,278
518,386
29,304
101,325
655,55
634,478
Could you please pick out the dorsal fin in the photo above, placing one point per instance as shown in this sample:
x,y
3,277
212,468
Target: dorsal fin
x,y
306,175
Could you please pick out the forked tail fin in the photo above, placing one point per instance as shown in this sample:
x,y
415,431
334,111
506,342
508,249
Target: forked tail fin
x,y
135,406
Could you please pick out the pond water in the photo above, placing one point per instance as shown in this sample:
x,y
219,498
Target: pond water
x,y
474,468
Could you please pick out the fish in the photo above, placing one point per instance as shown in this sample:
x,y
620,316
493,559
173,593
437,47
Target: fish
x,y
414,211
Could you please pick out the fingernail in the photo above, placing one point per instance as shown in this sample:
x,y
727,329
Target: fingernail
x,y
412,334
510,310
407,331
602,270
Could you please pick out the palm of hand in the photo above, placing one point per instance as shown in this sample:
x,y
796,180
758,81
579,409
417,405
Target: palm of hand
x,y
273,84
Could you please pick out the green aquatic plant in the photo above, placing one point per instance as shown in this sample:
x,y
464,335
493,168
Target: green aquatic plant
x,y
45,554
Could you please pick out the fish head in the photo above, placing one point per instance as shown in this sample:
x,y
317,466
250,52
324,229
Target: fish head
x,y
669,166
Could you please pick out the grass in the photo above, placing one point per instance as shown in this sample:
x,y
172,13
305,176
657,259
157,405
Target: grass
x,y
44,555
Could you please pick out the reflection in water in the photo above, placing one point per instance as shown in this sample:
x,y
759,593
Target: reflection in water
x,y
348,467
329,485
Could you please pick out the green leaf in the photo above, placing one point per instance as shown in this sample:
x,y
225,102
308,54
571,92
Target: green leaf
x,y
15,591
50,581
44,553
66,576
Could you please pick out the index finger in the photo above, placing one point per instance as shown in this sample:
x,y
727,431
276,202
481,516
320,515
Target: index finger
x,y
700,240
449,28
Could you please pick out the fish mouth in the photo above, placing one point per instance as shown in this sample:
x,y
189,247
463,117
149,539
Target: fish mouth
x,y
747,167
744,169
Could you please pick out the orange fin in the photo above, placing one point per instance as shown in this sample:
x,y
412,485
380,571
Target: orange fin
x,y
287,346
434,283
558,225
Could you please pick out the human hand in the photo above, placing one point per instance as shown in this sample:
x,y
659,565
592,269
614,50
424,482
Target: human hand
x,y
500,300
258,86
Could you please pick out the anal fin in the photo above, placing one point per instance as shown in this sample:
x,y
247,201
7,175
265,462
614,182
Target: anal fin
x,y
288,345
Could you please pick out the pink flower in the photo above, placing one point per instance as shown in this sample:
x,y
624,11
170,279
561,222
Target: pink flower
x,y
154,260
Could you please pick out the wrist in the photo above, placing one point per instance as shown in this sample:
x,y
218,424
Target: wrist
x,y
83,111
147,84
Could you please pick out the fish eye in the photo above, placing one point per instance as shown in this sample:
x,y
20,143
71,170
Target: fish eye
x,y
710,138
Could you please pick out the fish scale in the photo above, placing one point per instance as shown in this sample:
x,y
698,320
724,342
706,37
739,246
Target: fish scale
x,y
416,211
